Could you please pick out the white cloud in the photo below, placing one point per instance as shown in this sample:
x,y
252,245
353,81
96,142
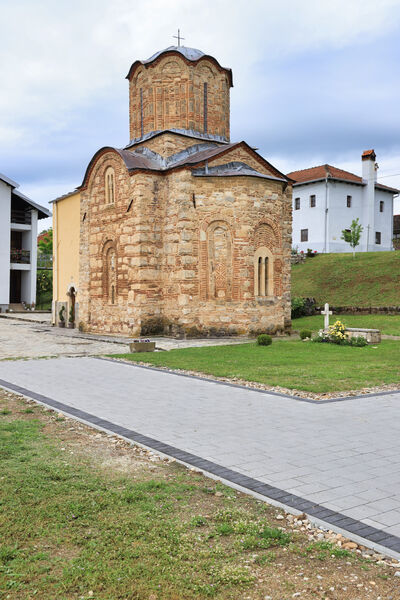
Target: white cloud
x,y
63,65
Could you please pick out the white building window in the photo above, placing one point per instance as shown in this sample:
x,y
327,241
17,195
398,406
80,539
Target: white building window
x,y
377,237
349,198
381,206
312,201
297,204
304,235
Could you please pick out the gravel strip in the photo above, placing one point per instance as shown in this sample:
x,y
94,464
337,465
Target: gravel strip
x,y
389,387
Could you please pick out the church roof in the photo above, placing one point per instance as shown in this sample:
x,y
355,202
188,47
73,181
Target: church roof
x,y
233,169
184,132
328,171
144,159
189,54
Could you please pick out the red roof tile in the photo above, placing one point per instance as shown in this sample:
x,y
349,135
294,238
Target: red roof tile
x,y
321,172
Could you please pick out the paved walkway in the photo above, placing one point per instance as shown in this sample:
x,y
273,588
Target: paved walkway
x,y
339,457
28,337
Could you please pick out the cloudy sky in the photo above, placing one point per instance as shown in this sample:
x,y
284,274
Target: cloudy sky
x,y
315,81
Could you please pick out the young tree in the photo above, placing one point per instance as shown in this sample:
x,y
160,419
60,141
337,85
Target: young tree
x,y
352,236
45,245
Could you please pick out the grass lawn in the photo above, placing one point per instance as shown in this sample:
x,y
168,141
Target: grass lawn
x,y
371,279
86,517
387,324
291,364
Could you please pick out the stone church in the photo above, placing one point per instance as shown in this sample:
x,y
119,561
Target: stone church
x,y
183,231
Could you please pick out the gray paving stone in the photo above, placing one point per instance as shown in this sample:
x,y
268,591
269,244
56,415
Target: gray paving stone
x,y
340,453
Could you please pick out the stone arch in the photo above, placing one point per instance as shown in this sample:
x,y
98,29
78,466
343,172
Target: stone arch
x,y
109,272
267,233
216,260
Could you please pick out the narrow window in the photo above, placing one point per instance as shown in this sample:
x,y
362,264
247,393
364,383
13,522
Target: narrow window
x,y
304,235
113,294
381,205
263,273
312,201
266,276
110,185
348,201
297,204
259,278
141,112
377,237
205,107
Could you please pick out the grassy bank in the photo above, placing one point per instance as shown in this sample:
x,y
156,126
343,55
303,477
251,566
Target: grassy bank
x,y
371,279
387,324
88,517
291,364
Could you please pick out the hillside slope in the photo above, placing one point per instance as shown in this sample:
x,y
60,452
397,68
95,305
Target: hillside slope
x,y
371,279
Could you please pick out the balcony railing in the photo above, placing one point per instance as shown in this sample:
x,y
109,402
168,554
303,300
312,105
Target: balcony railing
x,y
22,217
20,256
45,261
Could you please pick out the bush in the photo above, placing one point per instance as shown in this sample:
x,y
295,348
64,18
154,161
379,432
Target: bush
x,y
305,333
359,341
302,307
297,307
264,340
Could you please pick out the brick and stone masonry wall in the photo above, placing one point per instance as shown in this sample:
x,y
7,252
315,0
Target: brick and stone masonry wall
x,y
170,94
184,249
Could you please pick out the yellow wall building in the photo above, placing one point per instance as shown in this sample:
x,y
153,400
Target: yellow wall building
x,y
66,221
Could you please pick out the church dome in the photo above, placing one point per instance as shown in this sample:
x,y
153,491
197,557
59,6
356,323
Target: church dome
x,y
179,88
189,53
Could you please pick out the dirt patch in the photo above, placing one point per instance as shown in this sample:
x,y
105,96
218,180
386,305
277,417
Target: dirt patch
x,y
314,564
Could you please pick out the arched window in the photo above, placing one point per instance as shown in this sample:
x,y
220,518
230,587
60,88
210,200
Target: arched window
x,y
263,273
110,185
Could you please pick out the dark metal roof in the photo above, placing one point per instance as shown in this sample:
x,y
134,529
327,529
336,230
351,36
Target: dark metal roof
x,y
233,169
185,132
189,54
142,158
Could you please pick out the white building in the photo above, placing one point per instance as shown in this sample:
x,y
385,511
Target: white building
x,y
18,244
327,199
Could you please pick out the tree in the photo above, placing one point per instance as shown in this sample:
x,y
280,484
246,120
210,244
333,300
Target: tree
x,y
45,243
352,236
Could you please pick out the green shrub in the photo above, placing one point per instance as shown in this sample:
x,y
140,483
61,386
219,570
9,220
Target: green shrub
x,y
297,307
305,333
359,341
264,340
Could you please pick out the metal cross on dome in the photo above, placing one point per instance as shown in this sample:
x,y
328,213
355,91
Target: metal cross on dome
x,y
178,37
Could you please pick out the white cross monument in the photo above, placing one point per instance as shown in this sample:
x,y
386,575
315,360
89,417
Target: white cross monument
x,y
326,312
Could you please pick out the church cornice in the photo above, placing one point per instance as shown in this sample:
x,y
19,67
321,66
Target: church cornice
x,y
175,52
